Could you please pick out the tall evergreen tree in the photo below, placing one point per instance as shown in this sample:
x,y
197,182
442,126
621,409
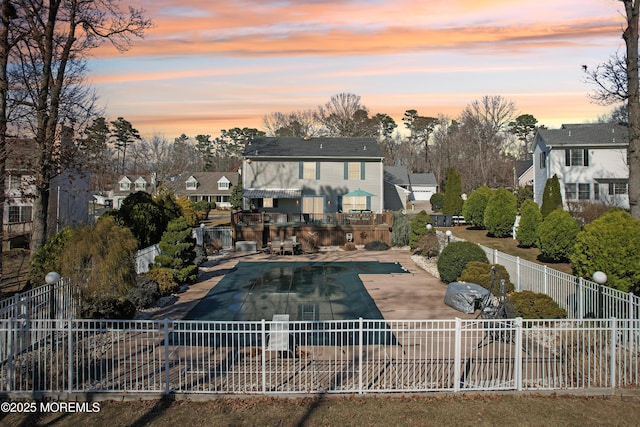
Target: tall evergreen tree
x,y
551,198
453,194
177,251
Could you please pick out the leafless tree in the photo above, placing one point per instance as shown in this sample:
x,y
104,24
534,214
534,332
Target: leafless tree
x,y
298,124
59,34
337,115
483,122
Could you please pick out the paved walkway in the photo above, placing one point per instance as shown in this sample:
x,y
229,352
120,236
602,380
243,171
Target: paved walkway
x,y
416,295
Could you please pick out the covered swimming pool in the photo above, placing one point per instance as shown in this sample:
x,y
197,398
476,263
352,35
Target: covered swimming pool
x,y
306,291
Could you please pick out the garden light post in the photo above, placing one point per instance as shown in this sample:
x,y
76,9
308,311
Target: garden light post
x,y
600,278
51,279
429,227
448,234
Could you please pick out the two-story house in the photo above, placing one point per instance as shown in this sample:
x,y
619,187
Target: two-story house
x,y
127,185
205,186
313,176
590,161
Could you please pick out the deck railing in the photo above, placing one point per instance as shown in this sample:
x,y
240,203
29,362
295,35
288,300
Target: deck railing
x,y
279,218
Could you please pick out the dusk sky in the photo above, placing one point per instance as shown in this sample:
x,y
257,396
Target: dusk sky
x,y
210,65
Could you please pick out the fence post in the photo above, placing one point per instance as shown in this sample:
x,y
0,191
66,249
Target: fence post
x,y
263,324
360,340
546,279
457,355
518,286
630,313
580,293
14,305
614,338
167,386
495,256
519,354
10,354
70,356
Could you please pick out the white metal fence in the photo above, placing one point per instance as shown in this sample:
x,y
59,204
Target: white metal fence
x,y
580,297
358,356
42,348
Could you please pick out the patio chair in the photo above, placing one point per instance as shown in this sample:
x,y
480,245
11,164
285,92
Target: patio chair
x,y
287,246
276,246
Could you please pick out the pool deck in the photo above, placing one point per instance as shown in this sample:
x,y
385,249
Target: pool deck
x,y
415,295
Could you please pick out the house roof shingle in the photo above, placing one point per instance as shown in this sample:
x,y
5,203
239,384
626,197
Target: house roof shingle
x,y
316,147
423,179
584,135
397,175
207,183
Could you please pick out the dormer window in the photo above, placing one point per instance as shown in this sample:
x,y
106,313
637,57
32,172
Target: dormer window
x,y
224,183
125,186
192,183
141,184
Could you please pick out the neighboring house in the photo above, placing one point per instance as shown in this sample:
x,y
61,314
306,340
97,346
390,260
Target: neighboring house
x,y
68,198
396,188
590,161
127,185
205,186
523,173
423,185
313,175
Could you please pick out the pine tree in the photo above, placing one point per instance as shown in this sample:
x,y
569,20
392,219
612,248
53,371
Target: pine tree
x,y
177,251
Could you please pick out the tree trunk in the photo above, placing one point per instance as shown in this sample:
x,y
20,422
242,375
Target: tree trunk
x,y
630,36
7,11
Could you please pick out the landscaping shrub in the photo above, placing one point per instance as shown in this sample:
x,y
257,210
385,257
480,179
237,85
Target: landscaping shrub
x,y
455,257
165,280
586,211
418,227
145,292
530,219
437,202
47,258
480,273
556,235
215,246
428,245
308,246
500,213
473,209
143,216
349,246
376,246
201,255
551,198
401,229
610,244
530,305
106,307
524,193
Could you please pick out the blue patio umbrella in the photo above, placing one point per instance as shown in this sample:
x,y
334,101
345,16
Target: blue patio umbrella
x,y
358,193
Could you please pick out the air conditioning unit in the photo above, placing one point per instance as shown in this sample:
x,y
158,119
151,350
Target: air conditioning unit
x,y
349,237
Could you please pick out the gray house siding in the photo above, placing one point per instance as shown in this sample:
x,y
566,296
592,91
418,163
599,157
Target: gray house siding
x,y
295,169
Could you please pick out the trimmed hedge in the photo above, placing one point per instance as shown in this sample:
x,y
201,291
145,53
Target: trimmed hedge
x,y
530,305
455,257
164,278
610,244
473,209
480,273
418,228
500,213
557,235
530,219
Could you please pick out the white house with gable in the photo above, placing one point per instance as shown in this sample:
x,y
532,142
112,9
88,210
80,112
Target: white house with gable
x,y
590,161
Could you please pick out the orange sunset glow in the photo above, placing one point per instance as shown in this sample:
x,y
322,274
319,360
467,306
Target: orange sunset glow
x,y
207,66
